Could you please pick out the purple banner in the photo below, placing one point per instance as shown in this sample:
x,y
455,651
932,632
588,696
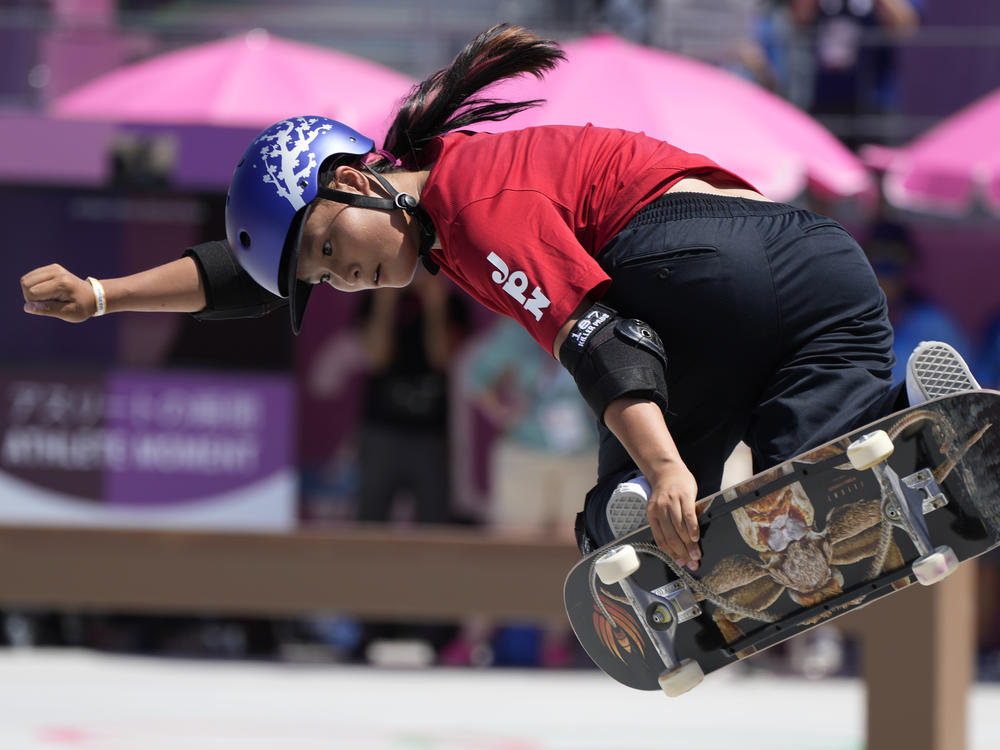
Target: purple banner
x,y
53,433
164,449
181,438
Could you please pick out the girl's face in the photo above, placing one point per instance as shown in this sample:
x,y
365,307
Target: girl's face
x,y
352,248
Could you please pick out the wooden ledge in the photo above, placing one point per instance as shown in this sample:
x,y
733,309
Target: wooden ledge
x,y
427,574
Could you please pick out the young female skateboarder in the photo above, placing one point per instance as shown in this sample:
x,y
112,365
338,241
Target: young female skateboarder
x,y
692,311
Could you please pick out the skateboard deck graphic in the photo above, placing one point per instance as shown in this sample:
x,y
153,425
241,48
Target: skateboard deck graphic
x,y
797,545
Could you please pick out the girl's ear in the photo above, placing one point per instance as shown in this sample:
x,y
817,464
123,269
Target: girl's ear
x,y
349,178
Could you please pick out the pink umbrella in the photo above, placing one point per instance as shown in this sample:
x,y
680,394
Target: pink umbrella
x,y
251,81
611,82
952,170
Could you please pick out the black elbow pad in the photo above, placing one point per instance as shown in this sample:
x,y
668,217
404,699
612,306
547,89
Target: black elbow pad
x,y
230,292
610,357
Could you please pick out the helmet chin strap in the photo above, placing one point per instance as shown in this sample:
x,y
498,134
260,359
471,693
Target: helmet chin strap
x,y
404,201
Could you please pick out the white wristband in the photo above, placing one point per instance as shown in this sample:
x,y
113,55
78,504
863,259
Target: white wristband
x,y
98,295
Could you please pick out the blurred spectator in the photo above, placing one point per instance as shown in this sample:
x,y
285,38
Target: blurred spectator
x,y
142,161
408,337
718,32
788,47
856,44
541,467
543,458
627,18
914,317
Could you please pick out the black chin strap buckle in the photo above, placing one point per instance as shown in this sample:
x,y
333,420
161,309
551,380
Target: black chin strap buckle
x,y
406,202
412,206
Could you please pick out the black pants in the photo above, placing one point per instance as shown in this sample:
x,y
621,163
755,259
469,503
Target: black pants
x,y
775,328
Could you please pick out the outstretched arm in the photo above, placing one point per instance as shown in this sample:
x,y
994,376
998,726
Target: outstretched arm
x,y
55,292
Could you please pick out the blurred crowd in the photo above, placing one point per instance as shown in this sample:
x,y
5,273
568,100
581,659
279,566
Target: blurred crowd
x,y
834,58
487,430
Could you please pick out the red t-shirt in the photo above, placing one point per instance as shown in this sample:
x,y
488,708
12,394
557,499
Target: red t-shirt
x,y
521,215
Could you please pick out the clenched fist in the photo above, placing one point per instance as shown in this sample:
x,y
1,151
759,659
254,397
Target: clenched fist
x,y
53,291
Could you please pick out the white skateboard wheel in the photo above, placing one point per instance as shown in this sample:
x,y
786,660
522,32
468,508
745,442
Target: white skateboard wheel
x,y
682,679
871,449
617,564
936,566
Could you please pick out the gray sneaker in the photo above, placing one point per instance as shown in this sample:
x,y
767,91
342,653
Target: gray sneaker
x,y
626,509
936,369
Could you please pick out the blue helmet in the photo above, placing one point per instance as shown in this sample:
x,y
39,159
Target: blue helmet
x,y
273,184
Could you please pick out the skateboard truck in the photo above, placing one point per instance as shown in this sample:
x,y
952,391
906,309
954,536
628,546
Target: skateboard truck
x,y
679,599
904,503
923,481
660,611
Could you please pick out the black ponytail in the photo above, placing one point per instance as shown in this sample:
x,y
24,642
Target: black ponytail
x,y
447,100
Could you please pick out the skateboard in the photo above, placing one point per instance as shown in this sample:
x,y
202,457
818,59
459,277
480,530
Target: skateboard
x,y
903,500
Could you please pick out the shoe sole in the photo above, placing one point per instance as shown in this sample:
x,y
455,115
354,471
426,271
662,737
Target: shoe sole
x,y
626,510
939,370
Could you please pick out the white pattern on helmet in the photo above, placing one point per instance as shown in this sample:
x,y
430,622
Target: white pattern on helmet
x,y
284,152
